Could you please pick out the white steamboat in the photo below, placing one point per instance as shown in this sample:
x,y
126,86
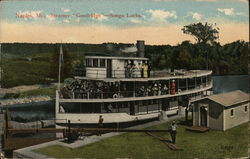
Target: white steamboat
x,y
125,90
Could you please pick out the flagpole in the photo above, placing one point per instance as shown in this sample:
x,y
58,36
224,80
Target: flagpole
x,y
59,73
1,70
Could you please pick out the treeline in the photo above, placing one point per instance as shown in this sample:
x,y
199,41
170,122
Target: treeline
x,y
21,49
230,58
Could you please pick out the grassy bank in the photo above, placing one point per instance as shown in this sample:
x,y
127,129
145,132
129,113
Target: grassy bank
x,y
26,70
40,92
232,143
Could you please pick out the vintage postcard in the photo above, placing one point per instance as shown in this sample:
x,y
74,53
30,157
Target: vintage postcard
x,y
149,79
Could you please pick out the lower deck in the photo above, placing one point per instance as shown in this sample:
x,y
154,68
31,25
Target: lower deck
x,y
121,112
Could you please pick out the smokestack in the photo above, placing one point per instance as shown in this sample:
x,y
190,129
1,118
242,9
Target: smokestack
x,y
140,48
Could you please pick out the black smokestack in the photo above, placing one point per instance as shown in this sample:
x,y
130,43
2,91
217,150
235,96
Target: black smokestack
x,y
140,48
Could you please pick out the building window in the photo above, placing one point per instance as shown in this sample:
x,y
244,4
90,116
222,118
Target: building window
x,y
246,108
232,112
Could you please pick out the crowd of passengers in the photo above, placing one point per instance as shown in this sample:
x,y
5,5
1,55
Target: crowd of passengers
x,y
141,70
83,89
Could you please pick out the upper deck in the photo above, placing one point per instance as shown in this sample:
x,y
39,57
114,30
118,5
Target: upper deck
x,y
115,67
154,75
161,84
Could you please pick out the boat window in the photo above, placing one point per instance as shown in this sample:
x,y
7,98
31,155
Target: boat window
x,y
89,62
151,102
102,62
155,101
140,103
95,62
125,104
145,102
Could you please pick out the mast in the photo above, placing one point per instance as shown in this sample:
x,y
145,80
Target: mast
x,y
60,61
1,72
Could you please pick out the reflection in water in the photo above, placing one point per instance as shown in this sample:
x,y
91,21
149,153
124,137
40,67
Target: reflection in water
x,y
33,113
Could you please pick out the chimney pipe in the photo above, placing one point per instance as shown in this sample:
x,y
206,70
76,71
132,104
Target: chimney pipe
x,y
140,48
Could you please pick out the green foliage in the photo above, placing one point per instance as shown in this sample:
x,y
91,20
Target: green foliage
x,y
11,95
231,58
232,143
21,71
38,92
66,64
22,65
202,33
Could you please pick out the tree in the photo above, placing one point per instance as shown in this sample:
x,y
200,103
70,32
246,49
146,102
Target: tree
x,y
206,34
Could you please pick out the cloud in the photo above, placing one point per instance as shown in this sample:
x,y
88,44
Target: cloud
x,y
65,10
66,21
226,11
162,15
196,16
24,32
136,21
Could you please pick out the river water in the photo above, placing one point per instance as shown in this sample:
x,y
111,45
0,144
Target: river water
x,y
222,84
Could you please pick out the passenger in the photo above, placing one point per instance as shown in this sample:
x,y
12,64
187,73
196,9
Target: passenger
x,y
100,124
2,155
159,89
141,69
61,109
145,70
155,90
165,89
149,91
128,69
173,87
143,91
173,130
148,69
134,70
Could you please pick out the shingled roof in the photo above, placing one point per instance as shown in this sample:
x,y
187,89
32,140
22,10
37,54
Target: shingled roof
x,y
230,98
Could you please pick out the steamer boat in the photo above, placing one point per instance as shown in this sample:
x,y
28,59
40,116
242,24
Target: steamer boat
x,y
124,90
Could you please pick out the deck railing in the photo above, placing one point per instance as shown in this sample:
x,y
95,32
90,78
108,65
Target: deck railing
x,y
97,73
126,94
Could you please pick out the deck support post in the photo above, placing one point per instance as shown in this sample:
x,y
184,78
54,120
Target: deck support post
x,y
186,83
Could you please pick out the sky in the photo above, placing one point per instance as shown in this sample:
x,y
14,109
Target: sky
x,y
121,21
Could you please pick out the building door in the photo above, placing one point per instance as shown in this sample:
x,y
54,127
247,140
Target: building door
x,y
203,116
109,68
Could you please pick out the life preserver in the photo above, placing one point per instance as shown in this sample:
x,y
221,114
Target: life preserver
x,y
179,90
115,96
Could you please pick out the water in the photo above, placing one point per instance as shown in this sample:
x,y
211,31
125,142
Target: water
x,y
33,113
222,84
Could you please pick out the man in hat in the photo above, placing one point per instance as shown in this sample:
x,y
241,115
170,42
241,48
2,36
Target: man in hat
x,y
100,123
172,129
